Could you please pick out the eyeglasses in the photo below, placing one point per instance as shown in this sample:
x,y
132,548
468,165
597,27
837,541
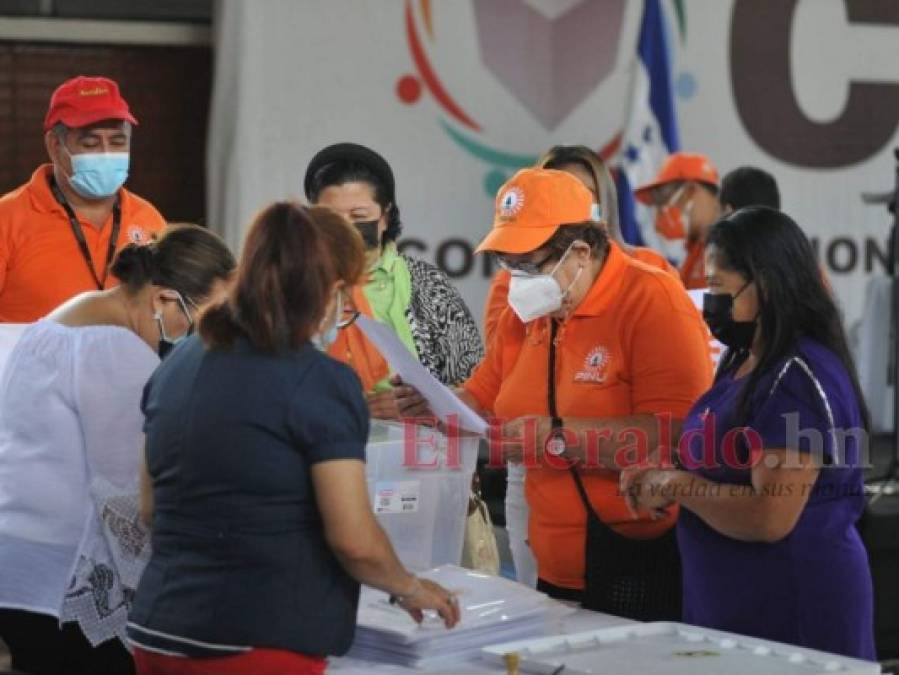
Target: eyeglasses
x,y
525,266
186,305
348,314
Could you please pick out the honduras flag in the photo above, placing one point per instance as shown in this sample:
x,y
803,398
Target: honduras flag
x,y
650,132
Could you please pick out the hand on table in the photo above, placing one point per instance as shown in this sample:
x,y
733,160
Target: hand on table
x,y
425,594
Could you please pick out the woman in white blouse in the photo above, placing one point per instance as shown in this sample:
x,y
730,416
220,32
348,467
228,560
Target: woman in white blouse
x,y
71,547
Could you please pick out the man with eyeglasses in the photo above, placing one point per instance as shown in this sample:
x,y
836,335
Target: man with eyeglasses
x,y
685,197
60,231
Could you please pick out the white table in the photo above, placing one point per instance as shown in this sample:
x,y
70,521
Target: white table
x,y
582,620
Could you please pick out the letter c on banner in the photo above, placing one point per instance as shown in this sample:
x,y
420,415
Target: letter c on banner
x,y
766,102
442,256
417,245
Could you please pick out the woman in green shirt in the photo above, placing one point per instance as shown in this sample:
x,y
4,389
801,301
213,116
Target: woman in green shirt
x,y
413,297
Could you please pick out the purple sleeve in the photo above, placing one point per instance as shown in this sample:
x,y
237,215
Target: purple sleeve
x,y
798,413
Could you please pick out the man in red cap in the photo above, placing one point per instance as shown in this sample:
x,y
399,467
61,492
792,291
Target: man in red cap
x,y
685,194
61,229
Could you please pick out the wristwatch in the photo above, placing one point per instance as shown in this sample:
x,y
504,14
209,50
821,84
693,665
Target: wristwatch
x,y
555,443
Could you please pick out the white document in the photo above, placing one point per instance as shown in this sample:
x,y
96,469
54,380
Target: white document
x,y
444,403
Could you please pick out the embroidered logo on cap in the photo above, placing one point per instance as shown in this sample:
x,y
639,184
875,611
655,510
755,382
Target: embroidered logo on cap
x,y
511,202
595,366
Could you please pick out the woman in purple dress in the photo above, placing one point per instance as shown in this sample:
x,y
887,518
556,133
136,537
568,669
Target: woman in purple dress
x,y
770,460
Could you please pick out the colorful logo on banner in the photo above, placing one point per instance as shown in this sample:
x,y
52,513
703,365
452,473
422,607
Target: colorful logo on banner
x,y
549,88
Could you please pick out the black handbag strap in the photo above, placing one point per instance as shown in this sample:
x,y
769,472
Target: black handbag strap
x,y
554,413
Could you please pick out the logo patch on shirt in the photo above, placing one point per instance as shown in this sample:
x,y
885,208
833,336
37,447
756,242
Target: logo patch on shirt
x,y
511,202
595,366
137,235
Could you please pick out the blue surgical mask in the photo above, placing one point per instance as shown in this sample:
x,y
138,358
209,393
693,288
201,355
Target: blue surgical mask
x,y
328,337
98,175
323,341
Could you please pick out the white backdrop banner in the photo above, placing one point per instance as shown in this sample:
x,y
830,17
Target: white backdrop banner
x,y
458,94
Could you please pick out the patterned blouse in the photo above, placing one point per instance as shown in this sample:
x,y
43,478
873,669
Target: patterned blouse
x,y
445,333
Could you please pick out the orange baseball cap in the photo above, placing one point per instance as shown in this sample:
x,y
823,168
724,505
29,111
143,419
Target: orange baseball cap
x,y
680,166
532,205
84,100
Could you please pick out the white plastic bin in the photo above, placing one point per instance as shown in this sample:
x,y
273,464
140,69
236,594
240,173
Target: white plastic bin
x,y
663,648
418,495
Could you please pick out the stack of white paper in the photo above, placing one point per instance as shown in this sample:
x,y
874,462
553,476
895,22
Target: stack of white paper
x,y
493,610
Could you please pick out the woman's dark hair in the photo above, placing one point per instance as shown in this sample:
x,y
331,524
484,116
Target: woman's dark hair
x,y
186,258
766,246
341,172
560,156
292,257
586,232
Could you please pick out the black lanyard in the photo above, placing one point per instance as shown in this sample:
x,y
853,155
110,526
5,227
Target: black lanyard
x,y
79,234
554,412
551,374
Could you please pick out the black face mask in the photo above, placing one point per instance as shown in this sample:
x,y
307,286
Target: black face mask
x,y
718,312
165,348
166,345
369,231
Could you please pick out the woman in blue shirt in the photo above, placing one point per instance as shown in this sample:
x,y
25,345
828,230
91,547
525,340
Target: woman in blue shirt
x,y
771,480
262,525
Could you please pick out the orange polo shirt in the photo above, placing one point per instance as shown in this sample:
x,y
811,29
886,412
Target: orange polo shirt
x,y
635,345
498,295
41,265
653,258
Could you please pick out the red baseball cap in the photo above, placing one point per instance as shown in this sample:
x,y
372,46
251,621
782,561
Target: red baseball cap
x,y
680,166
85,100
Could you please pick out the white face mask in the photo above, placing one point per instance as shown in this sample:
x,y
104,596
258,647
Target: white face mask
x,y
534,295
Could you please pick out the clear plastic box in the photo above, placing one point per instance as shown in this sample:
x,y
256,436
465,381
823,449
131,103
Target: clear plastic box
x,y
420,491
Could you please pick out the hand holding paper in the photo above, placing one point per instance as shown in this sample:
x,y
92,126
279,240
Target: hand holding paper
x,y
442,401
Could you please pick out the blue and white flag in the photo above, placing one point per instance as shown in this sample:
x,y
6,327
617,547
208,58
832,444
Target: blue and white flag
x,y
650,132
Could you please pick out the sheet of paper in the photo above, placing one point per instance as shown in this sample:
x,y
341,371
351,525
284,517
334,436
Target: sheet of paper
x,y
444,403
